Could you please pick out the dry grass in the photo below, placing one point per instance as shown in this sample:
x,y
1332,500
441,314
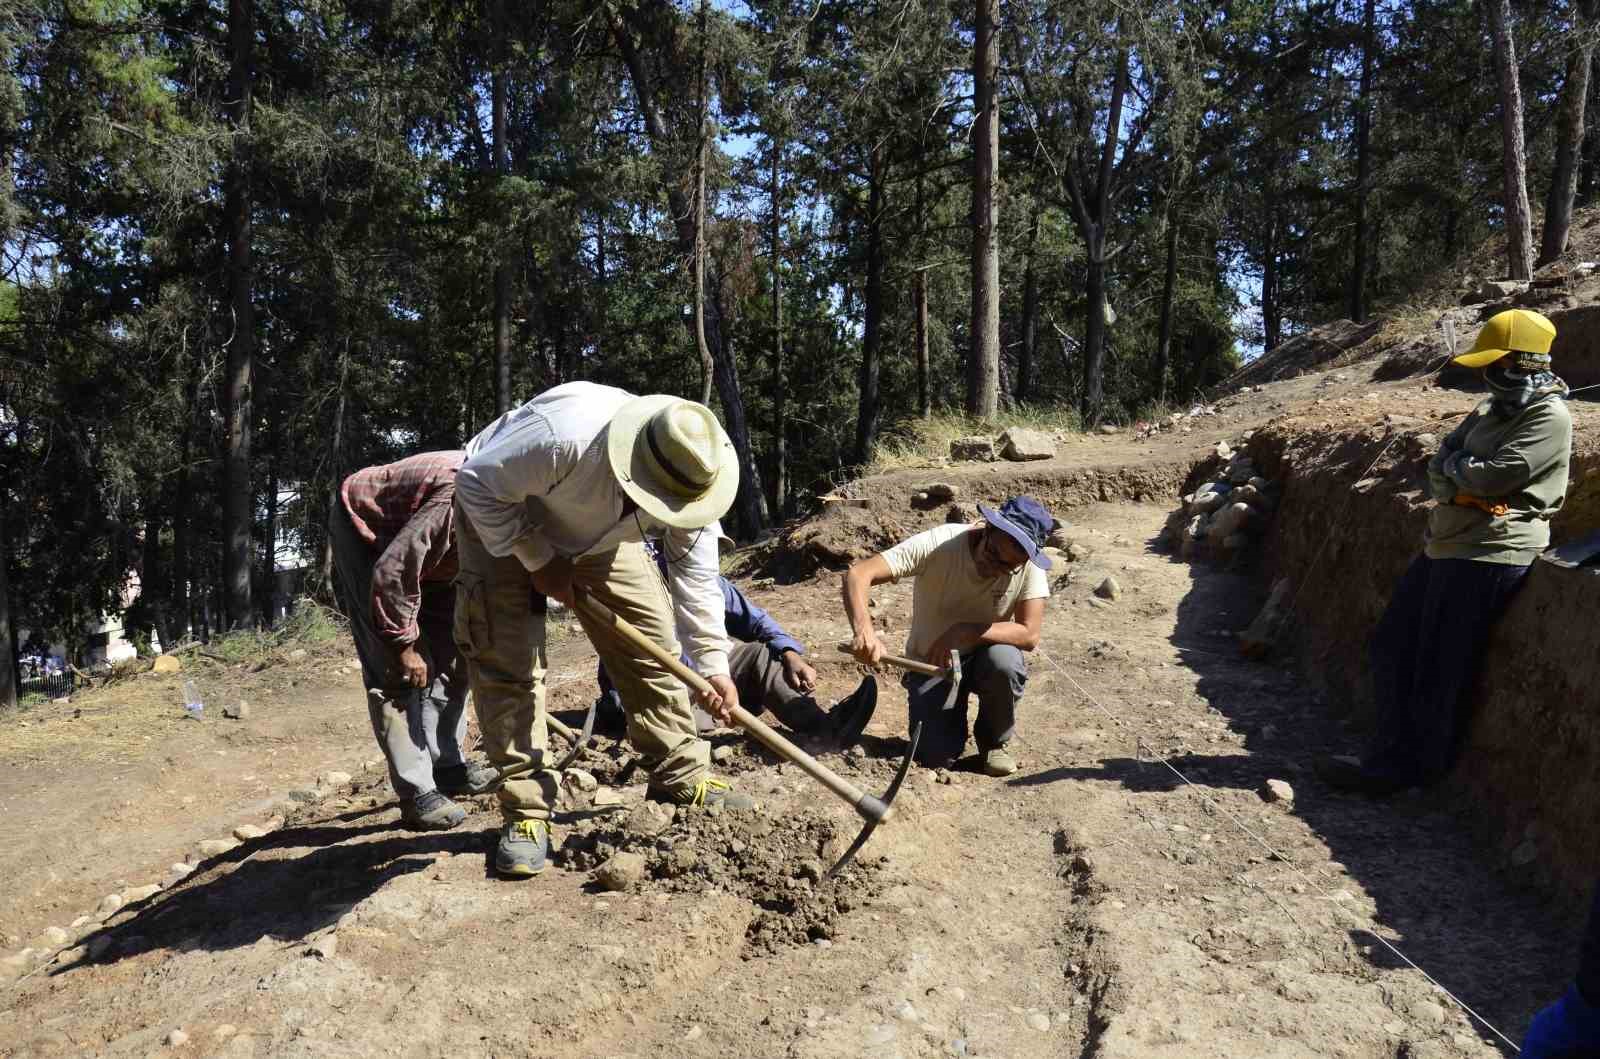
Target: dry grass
x,y
918,442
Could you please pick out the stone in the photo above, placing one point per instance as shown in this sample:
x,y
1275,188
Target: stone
x,y
1262,635
167,664
1241,471
976,447
1207,498
1230,520
324,947
108,906
1525,854
1428,1013
334,779
606,798
1110,428
962,514
140,893
648,818
1039,1021
695,1032
622,872
1223,450
721,755
583,781
216,847
177,873
1494,290
298,654
248,832
237,712
81,922
305,796
99,946
1077,553
1020,444
51,938
940,492
1277,791
1109,589
177,1039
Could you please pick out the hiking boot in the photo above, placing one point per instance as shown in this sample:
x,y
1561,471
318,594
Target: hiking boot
x,y
850,715
708,792
997,762
431,811
524,849
464,779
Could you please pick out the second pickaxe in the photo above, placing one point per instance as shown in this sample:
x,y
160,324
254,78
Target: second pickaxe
x,y
934,674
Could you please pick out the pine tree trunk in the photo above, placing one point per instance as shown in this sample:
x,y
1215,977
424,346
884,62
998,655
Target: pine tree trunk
x,y
1169,288
336,463
1569,137
1271,318
152,581
238,513
1094,331
702,134
869,409
1358,272
924,395
983,361
1513,157
502,265
8,634
1030,315
780,381
601,288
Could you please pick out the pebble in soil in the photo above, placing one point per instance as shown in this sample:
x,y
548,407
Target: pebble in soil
x,y
778,864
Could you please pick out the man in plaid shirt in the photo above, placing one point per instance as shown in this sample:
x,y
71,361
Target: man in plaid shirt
x,y
396,558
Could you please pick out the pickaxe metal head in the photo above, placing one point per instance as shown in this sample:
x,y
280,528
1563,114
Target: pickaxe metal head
x,y
953,675
877,810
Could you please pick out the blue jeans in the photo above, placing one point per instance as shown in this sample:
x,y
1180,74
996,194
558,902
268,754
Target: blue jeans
x,y
1425,655
996,674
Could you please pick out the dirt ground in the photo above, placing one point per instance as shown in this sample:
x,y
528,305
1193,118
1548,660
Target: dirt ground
x,y
1095,904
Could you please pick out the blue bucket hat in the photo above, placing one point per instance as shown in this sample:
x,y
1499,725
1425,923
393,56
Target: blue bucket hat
x,y
1024,520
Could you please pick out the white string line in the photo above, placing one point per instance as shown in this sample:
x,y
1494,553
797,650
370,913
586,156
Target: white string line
x,y
1276,855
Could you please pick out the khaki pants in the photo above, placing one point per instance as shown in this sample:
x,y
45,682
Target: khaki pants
x,y
500,629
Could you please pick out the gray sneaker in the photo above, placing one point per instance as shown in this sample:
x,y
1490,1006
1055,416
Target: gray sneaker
x,y
431,811
524,849
997,762
467,779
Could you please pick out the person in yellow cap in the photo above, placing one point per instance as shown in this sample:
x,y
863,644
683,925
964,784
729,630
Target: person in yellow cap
x,y
1497,479
556,497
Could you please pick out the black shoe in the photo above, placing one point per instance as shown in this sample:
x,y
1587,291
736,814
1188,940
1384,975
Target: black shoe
x,y
431,811
609,717
467,779
851,714
1348,774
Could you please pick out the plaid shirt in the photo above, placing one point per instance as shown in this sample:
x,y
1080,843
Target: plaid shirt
x,y
404,510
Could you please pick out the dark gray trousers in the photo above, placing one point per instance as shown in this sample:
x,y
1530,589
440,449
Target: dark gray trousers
x,y
418,729
996,674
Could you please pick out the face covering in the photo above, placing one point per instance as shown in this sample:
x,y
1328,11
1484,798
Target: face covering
x,y
1517,381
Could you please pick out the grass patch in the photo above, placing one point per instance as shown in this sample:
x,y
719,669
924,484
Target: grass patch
x,y
918,442
309,624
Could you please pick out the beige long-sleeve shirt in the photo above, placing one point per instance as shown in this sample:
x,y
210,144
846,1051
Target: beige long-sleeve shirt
x,y
537,484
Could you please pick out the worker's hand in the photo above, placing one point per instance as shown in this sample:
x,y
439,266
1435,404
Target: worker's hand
x,y
866,646
798,673
554,580
722,699
941,649
413,667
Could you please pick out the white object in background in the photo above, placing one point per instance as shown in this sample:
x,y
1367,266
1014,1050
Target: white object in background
x,y
192,703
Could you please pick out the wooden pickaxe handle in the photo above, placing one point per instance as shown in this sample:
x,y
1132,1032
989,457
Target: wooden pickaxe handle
x,y
869,806
927,669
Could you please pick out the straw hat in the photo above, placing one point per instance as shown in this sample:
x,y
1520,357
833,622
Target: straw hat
x,y
673,459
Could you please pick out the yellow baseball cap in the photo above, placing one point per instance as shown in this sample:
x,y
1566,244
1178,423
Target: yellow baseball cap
x,y
1513,331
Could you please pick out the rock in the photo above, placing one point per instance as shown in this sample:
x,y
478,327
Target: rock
x,y
1241,471
298,654
65,700
224,1031
962,513
1525,854
1020,443
1401,422
238,712
51,938
305,796
1223,450
1053,553
247,832
648,818
1230,520
940,492
1109,589
721,755
177,1039
1494,290
324,947
1262,634
1077,553
1428,1013
1110,428
583,781
622,872
977,447
167,664
100,946
334,779
216,847
140,893
177,873
1039,1021
1277,791
1207,498
695,1032
606,798
81,922
108,906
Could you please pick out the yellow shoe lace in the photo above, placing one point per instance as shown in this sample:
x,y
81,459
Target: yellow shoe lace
x,y
529,829
709,783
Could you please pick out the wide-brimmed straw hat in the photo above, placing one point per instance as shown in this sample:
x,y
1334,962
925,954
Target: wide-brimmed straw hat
x,y
673,459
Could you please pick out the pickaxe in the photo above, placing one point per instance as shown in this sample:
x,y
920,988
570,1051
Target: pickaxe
x,y
934,674
579,740
872,809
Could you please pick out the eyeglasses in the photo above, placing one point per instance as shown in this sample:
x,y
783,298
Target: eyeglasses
x,y
991,554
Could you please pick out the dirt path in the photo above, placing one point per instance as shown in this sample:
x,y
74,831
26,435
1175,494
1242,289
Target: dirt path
x,y
1091,905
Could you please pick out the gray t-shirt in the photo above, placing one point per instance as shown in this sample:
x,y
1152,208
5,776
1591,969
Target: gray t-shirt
x,y
948,589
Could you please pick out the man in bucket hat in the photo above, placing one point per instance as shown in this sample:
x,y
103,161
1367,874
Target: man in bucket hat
x,y
979,593
558,496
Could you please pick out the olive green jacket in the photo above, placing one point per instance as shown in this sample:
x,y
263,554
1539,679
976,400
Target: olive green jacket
x,y
1520,462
